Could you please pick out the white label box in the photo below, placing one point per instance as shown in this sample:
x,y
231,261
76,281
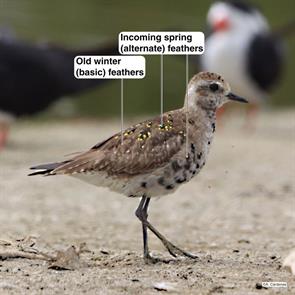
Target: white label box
x,y
109,67
166,43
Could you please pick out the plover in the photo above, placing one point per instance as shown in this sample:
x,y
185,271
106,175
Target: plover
x,y
34,76
154,159
243,49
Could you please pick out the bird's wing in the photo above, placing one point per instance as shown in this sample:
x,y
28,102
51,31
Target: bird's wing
x,y
266,60
50,67
146,146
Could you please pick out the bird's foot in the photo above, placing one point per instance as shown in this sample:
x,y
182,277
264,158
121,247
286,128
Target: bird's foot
x,y
149,259
175,251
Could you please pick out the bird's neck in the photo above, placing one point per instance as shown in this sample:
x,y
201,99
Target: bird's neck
x,y
199,131
201,127
204,115
198,111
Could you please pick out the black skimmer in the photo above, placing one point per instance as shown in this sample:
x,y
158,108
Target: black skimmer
x,y
242,48
34,76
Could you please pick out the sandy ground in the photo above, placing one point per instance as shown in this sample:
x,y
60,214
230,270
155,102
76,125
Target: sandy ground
x,y
237,215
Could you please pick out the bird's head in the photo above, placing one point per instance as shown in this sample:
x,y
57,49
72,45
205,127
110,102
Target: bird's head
x,y
209,91
235,15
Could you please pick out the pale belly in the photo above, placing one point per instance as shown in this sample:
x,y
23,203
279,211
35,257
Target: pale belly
x,y
160,182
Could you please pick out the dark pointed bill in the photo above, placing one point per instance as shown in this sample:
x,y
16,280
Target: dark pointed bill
x,y
232,96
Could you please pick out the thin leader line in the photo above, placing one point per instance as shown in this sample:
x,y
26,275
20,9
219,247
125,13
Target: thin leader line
x,y
122,110
186,104
162,90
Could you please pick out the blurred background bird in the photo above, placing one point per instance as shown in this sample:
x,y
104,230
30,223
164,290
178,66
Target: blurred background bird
x,y
242,47
27,26
33,76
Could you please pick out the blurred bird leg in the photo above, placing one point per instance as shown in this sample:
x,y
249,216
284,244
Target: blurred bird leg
x,y
251,117
220,115
4,130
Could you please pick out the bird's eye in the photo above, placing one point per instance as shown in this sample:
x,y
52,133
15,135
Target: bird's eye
x,y
214,87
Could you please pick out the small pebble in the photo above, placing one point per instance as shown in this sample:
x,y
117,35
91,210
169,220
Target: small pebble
x,y
104,252
163,286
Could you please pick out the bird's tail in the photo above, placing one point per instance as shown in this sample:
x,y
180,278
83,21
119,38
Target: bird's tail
x,y
46,169
285,30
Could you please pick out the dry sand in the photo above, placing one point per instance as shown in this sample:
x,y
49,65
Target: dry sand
x,y
238,215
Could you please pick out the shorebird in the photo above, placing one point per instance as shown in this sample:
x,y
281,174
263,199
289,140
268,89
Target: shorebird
x,y
244,50
32,77
153,158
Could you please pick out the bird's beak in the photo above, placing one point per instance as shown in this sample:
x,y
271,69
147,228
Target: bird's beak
x,y
221,24
232,96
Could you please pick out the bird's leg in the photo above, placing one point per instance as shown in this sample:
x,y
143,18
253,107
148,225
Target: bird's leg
x,y
251,117
141,213
220,116
3,134
172,249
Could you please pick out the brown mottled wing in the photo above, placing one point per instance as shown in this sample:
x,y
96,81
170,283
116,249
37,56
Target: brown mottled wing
x,y
146,146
